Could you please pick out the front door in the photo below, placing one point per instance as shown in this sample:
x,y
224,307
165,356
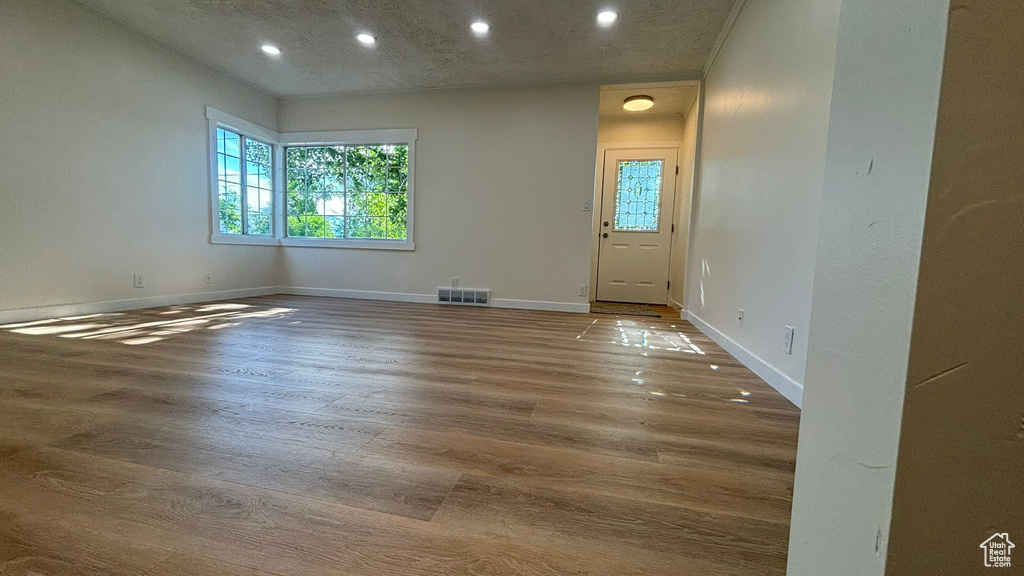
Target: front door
x,y
636,225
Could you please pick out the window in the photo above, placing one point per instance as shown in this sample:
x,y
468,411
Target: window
x,y
351,189
638,197
348,192
244,184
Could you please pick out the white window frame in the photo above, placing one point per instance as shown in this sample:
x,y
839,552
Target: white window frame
x,y
357,138
278,143
226,121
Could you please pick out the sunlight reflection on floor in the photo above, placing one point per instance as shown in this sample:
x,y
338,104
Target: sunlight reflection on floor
x,y
127,330
638,334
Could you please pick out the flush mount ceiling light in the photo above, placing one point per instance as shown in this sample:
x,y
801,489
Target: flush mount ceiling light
x,y
638,103
480,28
270,50
607,17
366,39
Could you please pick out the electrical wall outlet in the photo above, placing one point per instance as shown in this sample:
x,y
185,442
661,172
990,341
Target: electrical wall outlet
x,y
208,278
453,282
583,291
739,318
138,281
787,344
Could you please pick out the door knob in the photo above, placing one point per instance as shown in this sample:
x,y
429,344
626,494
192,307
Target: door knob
x,y
605,235
605,224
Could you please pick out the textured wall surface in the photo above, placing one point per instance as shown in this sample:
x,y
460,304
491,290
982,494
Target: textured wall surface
x,y
961,458
427,44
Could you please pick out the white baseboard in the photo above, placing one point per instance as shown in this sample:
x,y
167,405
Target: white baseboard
x,y
541,305
791,389
86,308
432,299
359,294
678,306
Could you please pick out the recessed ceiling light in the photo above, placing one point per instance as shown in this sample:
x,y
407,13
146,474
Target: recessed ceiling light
x,y
480,27
638,103
271,50
366,39
607,18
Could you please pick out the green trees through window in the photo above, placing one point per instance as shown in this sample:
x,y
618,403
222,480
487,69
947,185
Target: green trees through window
x,y
245,184
333,192
348,192
259,186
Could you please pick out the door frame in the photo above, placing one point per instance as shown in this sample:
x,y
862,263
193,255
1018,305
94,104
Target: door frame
x,y
598,202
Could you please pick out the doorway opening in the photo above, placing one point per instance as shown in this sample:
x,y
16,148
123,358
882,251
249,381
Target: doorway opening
x,y
643,192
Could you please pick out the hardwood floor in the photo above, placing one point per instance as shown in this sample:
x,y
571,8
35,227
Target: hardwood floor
x,y
305,436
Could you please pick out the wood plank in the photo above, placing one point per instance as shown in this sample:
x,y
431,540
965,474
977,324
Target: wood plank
x,y
182,564
590,439
34,548
624,527
566,470
659,420
43,424
41,386
266,529
258,422
392,487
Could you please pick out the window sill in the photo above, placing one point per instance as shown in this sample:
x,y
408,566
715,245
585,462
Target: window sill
x,y
357,244
244,240
312,243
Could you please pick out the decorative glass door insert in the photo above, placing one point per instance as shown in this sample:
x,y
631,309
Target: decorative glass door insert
x,y
638,195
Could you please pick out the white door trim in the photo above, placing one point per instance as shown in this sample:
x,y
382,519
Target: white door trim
x,y
602,148
632,241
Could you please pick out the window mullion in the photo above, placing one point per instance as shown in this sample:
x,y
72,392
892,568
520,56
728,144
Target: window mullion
x,y
344,196
244,185
280,209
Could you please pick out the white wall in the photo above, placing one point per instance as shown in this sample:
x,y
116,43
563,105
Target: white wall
x,y
684,204
765,126
103,161
501,178
881,135
641,128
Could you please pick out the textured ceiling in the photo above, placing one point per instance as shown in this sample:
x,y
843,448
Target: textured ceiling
x,y
427,43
